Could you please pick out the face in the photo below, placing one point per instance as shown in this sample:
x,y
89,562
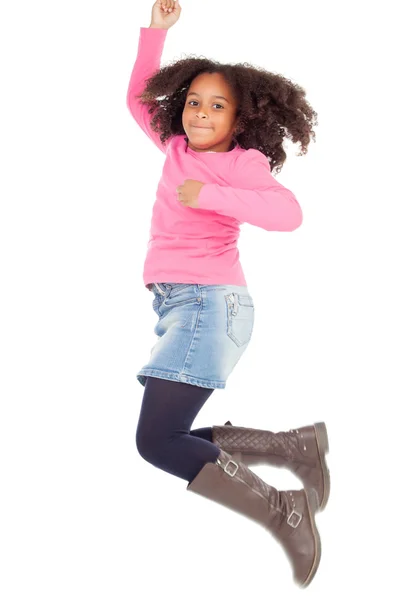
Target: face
x,y
209,115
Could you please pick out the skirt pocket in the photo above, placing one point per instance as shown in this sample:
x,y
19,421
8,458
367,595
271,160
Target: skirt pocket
x,y
240,317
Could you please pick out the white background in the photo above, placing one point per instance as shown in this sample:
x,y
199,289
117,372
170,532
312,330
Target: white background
x,y
82,514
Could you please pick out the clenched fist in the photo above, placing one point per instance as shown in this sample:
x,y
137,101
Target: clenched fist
x,y
189,191
165,13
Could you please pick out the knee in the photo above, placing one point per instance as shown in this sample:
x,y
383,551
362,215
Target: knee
x,y
147,447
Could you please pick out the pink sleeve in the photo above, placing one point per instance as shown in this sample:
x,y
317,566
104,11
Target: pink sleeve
x,y
258,198
151,44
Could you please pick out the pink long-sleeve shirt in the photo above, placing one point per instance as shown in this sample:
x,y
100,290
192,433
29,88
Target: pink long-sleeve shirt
x,y
199,245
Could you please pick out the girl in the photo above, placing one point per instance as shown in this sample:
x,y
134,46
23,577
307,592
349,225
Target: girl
x,y
221,128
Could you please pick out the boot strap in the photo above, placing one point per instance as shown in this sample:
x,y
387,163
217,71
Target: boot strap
x,y
294,518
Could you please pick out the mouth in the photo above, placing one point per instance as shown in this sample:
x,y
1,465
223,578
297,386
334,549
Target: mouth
x,y
200,127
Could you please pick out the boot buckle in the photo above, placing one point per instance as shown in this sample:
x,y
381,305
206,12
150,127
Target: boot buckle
x,y
226,466
296,520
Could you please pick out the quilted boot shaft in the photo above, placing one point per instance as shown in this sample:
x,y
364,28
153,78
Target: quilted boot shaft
x,y
287,515
302,451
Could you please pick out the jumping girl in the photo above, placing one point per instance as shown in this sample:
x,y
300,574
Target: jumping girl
x,y
221,128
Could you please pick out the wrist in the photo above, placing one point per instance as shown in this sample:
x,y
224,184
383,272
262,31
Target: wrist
x,y
152,26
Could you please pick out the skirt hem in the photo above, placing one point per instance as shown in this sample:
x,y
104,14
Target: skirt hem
x,y
205,383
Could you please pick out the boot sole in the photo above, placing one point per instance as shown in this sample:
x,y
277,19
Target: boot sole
x,y
321,435
313,505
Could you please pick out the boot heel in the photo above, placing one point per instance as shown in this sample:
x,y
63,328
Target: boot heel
x,y
322,437
323,447
313,502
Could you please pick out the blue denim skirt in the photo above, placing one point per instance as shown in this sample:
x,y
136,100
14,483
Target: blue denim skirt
x,y
202,330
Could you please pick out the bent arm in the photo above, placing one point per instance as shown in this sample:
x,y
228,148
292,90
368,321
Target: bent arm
x,y
259,199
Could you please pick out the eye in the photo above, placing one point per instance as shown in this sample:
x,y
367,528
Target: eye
x,y
216,104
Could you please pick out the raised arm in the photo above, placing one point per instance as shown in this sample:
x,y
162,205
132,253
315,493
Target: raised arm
x,y
150,48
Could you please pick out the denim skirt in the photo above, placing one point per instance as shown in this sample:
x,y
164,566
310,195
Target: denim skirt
x,y
202,330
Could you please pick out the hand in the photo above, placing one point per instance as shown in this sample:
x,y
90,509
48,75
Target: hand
x,y
188,192
161,17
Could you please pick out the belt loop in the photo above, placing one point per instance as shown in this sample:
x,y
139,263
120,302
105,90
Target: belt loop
x,y
159,289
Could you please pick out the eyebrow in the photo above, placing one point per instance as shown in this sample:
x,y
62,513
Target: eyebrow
x,y
195,94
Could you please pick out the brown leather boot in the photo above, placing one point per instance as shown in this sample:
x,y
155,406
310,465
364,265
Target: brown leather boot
x,y
288,515
302,451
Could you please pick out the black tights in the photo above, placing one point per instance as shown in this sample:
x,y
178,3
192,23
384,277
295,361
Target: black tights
x,y
163,436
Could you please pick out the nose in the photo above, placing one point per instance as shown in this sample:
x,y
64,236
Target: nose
x,y
200,113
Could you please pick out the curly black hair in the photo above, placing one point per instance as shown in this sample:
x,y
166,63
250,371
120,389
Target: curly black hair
x,y
270,106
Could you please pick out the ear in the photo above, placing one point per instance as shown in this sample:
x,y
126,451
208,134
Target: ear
x,y
238,129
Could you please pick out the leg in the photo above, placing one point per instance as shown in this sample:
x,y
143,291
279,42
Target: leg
x,y
163,432
300,450
288,515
